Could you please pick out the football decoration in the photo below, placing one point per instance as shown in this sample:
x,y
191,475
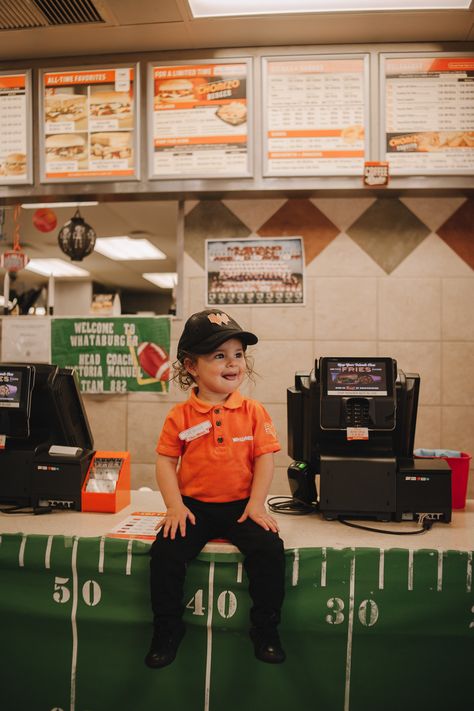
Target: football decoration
x,y
45,220
154,360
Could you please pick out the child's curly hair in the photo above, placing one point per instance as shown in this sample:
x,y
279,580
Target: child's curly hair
x,y
185,380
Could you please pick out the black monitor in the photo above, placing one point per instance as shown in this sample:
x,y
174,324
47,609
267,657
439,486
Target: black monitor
x,y
40,406
44,407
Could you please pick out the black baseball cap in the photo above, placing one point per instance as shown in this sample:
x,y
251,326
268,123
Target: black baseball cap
x,y
207,330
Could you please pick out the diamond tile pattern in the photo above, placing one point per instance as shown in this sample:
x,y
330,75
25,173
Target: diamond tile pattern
x,y
458,232
388,231
299,217
210,219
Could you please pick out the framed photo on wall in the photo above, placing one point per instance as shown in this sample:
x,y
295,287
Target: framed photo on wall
x,y
265,271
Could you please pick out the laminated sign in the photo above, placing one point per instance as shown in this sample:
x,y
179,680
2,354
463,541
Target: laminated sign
x,y
114,355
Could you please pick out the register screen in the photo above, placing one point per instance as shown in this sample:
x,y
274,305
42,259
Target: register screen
x,y
10,388
356,378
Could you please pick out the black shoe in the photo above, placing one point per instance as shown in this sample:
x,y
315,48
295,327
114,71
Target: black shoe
x,y
267,645
164,646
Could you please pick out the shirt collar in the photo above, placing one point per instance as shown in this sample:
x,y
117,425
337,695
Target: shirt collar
x,y
234,401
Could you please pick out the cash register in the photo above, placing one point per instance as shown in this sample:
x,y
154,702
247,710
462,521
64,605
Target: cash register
x,y
47,460
351,422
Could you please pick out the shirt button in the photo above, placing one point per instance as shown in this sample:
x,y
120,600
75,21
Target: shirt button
x,y
217,412
220,439
218,423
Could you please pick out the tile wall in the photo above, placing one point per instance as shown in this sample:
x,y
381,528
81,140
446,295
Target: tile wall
x,y
387,276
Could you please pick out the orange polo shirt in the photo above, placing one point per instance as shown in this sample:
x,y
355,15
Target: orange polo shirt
x,y
217,456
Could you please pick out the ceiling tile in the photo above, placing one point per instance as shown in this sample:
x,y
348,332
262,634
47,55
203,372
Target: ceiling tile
x,y
388,231
299,217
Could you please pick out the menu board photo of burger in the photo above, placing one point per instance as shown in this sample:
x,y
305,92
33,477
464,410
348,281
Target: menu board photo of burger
x,y
90,124
199,119
15,128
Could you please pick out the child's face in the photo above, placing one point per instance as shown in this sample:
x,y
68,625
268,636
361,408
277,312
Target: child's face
x,y
220,373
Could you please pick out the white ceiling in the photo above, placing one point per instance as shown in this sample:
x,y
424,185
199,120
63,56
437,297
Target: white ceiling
x,y
157,25
161,25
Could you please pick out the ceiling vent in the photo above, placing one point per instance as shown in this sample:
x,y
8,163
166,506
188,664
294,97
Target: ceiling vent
x,y
24,14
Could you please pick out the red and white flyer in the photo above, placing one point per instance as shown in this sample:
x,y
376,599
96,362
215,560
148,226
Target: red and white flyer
x,y
199,120
89,124
315,116
429,114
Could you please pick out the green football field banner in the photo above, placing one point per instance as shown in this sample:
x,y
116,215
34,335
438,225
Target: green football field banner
x,y
364,630
114,355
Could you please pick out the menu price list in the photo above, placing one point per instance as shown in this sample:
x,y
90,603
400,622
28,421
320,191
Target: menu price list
x,y
200,120
13,128
315,111
429,110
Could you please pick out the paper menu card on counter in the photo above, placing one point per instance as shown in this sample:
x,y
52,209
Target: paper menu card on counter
x,y
89,124
142,525
200,119
15,128
315,112
428,109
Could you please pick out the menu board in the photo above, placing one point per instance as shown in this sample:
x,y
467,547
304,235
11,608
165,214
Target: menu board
x,y
15,128
89,119
428,114
315,115
199,118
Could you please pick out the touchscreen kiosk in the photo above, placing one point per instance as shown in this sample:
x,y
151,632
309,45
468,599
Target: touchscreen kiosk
x,y
41,411
352,422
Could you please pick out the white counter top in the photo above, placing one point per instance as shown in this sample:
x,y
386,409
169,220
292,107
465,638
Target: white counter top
x,y
307,531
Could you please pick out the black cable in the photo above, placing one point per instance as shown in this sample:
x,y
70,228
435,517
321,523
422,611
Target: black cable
x,y
290,505
426,527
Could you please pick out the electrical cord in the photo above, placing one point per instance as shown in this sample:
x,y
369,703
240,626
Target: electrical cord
x,y
290,505
426,525
28,510
297,507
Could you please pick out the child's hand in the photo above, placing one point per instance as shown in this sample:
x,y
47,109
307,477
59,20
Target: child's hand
x,y
259,514
175,518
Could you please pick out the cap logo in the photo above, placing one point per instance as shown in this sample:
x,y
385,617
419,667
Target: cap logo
x,y
219,319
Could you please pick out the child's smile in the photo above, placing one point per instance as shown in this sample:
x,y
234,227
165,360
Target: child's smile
x,y
219,373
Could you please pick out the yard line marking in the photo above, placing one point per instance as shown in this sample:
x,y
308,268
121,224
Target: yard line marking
x,y
240,569
381,569
350,628
439,582
21,554
210,605
128,570
101,554
323,568
72,705
469,572
296,567
47,556
410,570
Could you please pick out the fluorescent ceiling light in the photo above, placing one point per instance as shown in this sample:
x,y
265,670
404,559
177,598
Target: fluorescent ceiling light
x,y
167,280
36,205
220,8
124,248
56,268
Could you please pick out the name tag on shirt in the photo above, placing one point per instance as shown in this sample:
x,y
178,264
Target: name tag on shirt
x,y
199,430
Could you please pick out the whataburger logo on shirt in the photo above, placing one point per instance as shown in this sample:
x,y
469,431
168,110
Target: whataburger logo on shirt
x,y
246,438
